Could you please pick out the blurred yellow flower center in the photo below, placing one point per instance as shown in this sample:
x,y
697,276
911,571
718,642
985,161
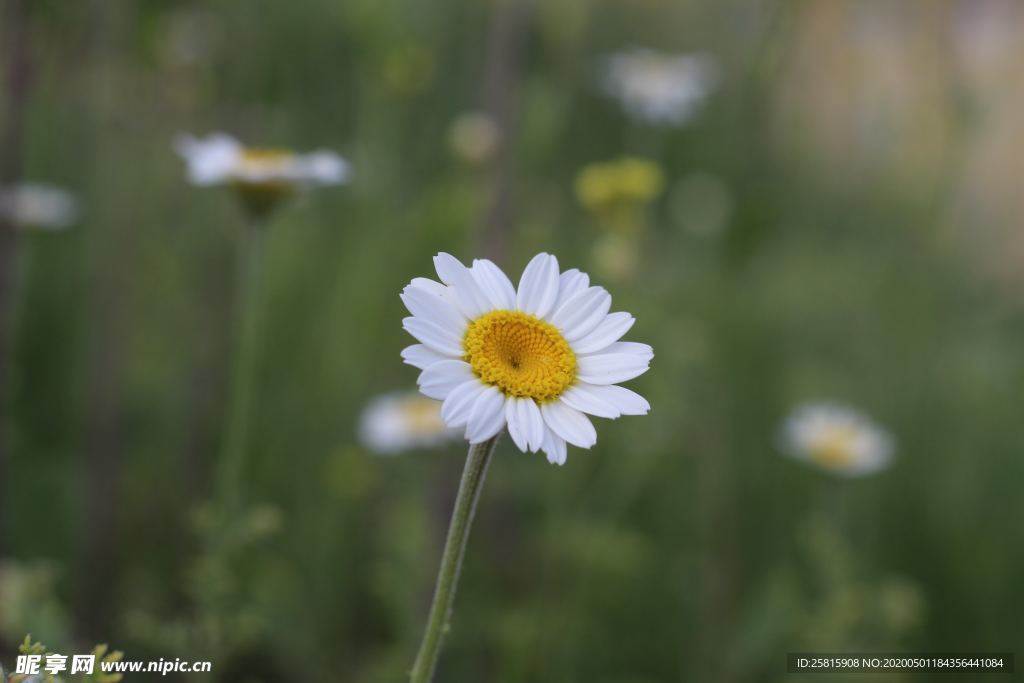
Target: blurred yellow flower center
x,y
520,354
422,416
265,159
261,178
834,448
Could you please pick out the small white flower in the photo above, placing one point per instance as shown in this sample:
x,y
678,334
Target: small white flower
x,y
220,159
402,421
660,88
42,207
535,359
837,439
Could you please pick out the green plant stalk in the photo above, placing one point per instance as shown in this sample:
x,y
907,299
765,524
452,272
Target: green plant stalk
x,y
473,475
243,367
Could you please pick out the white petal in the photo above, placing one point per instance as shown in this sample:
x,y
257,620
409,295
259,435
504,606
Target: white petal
x,y
538,287
570,283
487,417
580,397
631,348
530,423
434,336
582,312
468,295
569,423
432,286
554,446
608,331
437,289
457,276
518,428
210,160
537,429
419,356
447,267
621,399
439,379
495,284
459,404
324,167
524,417
610,368
434,308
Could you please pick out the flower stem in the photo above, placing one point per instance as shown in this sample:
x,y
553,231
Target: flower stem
x,y
16,55
243,367
451,560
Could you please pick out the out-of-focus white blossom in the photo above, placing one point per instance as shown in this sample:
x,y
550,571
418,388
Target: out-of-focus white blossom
x,y
402,421
41,207
660,88
837,439
221,159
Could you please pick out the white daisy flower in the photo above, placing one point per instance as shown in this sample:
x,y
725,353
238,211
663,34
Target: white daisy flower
x,y
837,439
537,359
660,88
402,421
42,207
220,159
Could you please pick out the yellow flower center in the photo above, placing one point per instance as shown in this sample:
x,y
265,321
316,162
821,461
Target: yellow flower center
x,y
265,159
261,195
834,448
422,416
520,354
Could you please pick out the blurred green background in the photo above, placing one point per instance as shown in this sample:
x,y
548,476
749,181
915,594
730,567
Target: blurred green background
x,y
840,220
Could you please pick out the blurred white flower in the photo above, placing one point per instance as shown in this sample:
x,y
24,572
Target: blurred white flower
x,y
537,359
403,421
838,439
473,137
220,159
41,207
660,88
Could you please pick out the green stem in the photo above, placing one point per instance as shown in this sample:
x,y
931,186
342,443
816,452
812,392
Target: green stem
x,y
243,367
451,560
13,269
